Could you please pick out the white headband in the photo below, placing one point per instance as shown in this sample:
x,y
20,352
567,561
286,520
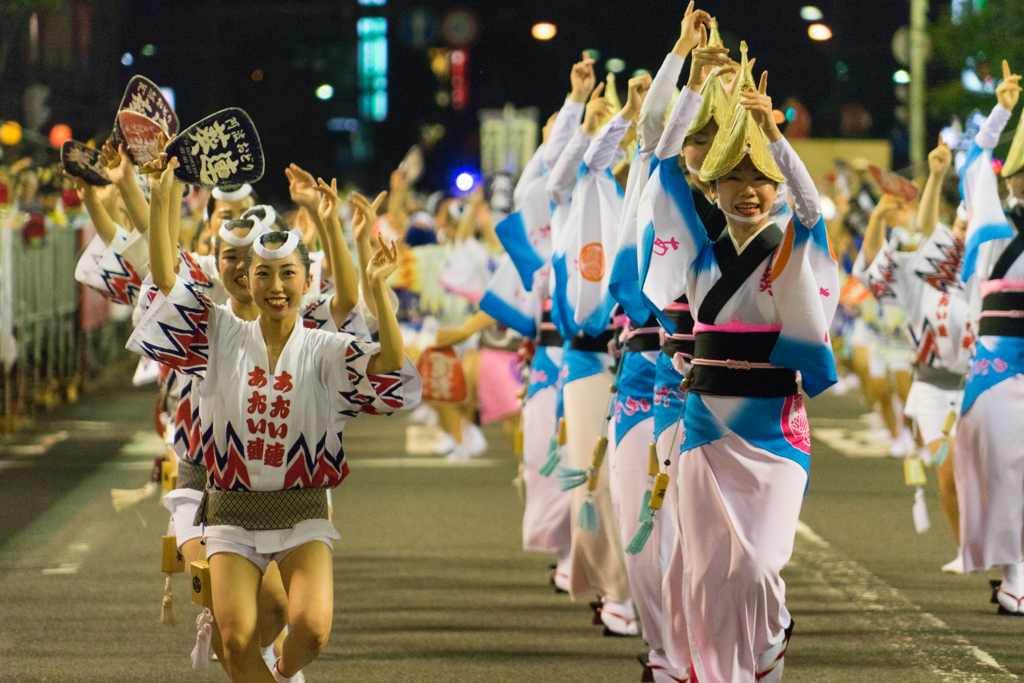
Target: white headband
x,y
294,237
233,196
257,230
269,215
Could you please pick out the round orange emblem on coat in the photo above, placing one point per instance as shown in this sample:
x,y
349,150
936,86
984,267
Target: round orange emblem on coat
x,y
592,262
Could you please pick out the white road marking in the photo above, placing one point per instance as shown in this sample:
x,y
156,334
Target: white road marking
x,y
905,621
14,464
854,437
63,569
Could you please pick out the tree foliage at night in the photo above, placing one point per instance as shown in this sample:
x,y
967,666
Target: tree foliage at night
x,y
986,36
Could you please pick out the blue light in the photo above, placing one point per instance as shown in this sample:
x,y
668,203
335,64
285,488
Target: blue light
x,y
373,3
465,182
791,114
373,67
127,59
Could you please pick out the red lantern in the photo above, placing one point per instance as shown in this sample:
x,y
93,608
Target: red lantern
x,y
60,134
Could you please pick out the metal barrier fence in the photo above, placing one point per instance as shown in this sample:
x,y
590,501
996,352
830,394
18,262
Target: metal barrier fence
x,y
53,332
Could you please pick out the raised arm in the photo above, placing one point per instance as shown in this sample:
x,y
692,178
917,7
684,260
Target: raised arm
x,y
603,150
562,179
391,356
101,220
806,203
346,282
162,254
451,336
939,161
364,214
565,125
703,58
652,114
874,235
1007,93
122,172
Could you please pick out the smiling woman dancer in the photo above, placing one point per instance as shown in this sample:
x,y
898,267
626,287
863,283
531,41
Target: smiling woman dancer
x,y
763,296
275,398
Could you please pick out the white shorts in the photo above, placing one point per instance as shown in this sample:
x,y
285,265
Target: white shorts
x,y
261,560
183,504
929,406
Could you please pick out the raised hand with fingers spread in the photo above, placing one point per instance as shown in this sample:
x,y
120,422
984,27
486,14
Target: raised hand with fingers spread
x,y
759,104
364,215
1008,92
689,32
705,57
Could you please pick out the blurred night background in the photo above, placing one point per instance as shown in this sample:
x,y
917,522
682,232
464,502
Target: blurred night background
x,y
68,61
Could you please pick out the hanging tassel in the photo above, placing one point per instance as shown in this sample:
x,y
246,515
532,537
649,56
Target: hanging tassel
x,y
204,637
587,519
645,507
921,522
563,432
554,457
653,500
125,498
167,616
569,478
943,452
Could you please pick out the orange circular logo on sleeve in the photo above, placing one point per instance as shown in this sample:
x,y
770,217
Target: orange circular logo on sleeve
x,y
592,262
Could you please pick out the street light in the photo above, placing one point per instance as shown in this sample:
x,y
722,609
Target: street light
x,y
811,13
901,76
544,31
819,32
464,182
325,92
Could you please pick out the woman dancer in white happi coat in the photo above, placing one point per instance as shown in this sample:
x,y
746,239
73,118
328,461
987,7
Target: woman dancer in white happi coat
x,y
275,398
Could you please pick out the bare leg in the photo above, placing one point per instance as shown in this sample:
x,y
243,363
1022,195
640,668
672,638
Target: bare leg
x,y
947,488
273,606
883,396
236,585
309,579
449,417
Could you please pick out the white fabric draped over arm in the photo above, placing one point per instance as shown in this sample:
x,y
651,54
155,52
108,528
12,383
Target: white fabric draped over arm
x,y
566,123
562,179
988,134
603,150
652,113
686,108
806,202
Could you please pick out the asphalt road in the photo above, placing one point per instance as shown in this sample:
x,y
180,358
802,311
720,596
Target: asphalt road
x,y
431,583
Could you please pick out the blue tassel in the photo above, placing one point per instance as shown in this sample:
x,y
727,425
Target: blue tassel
x,y
941,454
568,478
642,534
587,519
645,507
554,457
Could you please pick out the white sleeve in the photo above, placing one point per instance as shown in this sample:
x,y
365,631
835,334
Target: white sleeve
x,y
988,134
652,113
562,178
601,152
806,203
566,123
671,142
532,171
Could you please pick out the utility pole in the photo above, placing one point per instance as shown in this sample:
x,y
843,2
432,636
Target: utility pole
x,y
918,78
